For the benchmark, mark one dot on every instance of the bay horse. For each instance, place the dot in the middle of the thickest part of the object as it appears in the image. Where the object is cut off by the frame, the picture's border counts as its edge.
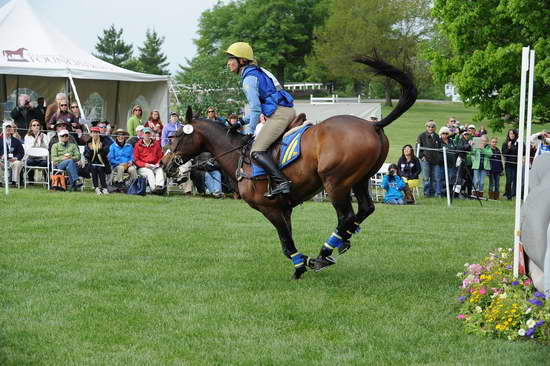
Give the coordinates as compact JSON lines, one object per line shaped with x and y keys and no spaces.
{"x":339,"y":155}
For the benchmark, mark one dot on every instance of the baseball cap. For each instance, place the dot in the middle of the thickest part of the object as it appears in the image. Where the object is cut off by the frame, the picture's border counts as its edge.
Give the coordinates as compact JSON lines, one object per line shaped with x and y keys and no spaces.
{"x":472,"y":126}
{"x":139,"y":128}
{"x":95,"y":129}
{"x":146,"y":130}
{"x":174,"y":114}
{"x":444,"y":129}
{"x":63,"y":133}
{"x":9,"y":124}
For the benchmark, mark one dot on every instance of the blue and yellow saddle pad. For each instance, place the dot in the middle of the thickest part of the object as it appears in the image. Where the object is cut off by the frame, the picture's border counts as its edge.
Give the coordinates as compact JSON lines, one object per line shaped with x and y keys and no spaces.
{"x":290,"y":150}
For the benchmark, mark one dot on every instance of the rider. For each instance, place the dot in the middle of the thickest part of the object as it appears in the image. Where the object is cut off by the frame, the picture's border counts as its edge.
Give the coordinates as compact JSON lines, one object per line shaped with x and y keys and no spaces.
{"x":265,"y":95}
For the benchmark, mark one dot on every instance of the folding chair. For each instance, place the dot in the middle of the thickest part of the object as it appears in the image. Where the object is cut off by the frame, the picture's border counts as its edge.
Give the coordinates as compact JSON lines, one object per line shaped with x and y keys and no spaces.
{"x":376,"y":182}
{"x":40,"y":152}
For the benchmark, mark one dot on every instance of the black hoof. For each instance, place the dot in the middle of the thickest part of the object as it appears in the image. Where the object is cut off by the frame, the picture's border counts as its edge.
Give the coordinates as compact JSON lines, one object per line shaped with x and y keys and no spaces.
{"x":344,"y":247}
{"x":310,"y":262}
{"x":298,"y":272}
{"x":323,"y":262}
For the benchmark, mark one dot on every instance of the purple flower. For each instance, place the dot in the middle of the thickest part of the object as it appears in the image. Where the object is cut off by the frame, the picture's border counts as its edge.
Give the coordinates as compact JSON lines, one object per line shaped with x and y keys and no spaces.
{"x":535,"y":301}
{"x":462,"y":298}
{"x":540,"y":294}
{"x":539,"y":323}
{"x":509,"y":267}
{"x":515,"y":283}
{"x":530,"y":332}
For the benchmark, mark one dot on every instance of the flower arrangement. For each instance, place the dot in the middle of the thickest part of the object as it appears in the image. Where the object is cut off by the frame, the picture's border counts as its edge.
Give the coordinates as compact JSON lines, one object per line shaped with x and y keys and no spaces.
{"x":494,"y":303}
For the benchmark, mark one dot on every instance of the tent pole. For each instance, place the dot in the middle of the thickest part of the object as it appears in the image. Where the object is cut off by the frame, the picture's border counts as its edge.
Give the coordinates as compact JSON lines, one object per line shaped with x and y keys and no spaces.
{"x":6,"y":185}
{"x":116,"y":102}
{"x":17,"y":91}
{"x":76,"y":97}
{"x":4,"y":96}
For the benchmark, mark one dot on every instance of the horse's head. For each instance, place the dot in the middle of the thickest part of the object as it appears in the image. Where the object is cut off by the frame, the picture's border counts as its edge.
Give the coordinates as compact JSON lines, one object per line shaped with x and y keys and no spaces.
{"x":187,"y":143}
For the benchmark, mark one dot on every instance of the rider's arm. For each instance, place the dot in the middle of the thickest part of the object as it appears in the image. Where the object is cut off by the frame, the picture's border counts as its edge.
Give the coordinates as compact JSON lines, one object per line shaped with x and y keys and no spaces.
{"x":250,"y":88}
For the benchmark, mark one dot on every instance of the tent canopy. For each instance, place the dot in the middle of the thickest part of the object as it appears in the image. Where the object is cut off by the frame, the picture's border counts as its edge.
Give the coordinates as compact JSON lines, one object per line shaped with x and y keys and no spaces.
{"x":27,"y":58}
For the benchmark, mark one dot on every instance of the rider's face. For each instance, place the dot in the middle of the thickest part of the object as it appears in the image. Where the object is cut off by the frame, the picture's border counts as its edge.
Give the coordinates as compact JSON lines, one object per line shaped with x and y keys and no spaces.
{"x":233,"y":65}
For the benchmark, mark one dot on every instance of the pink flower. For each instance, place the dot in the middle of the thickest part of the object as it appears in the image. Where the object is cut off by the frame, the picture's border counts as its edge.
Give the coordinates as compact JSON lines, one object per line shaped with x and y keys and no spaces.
{"x":475,"y":268}
{"x":527,"y":282}
{"x":482,"y":291}
{"x":460,"y":316}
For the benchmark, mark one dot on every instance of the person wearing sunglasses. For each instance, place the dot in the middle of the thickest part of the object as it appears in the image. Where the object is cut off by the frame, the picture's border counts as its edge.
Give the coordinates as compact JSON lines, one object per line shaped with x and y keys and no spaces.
{"x":62,"y":114}
{"x":135,"y":120}
{"x":35,"y":138}
{"x":80,"y":125}
{"x":449,"y":143}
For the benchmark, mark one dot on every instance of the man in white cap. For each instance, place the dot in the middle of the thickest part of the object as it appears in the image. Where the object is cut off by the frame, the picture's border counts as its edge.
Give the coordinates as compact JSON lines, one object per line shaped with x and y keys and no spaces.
{"x":65,"y":156}
{"x":15,"y":153}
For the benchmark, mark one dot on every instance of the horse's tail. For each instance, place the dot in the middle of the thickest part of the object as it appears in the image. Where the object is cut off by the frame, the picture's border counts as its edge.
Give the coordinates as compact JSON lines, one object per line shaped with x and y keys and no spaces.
{"x":408,"y":89}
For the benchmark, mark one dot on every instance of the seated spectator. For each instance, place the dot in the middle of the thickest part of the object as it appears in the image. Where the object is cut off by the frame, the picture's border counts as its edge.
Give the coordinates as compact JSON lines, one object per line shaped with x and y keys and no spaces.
{"x":172,"y":126}
{"x":394,"y":186}
{"x":147,"y":155}
{"x":139,"y":134}
{"x":210,"y":170}
{"x":135,"y":120}
{"x":23,"y":114}
{"x":54,"y":138}
{"x":481,"y":164}
{"x":121,"y":155}
{"x":36,"y":138}
{"x":155,"y":124}
{"x":15,"y":152}
{"x":105,"y":133}
{"x":409,"y":169}
{"x":65,"y":156}
{"x":95,"y":153}
{"x":234,"y":124}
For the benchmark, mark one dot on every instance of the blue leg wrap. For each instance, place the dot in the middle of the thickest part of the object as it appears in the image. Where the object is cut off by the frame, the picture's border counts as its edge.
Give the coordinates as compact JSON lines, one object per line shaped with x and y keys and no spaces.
{"x":297,"y":259}
{"x":334,"y":241}
{"x":354,"y":228}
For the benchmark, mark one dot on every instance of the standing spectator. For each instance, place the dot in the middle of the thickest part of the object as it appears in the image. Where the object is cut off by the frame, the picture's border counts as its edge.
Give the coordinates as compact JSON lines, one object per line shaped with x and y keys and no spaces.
{"x":452,"y":125}
{"x":135,"y":120}
{"x":472,"y":131}
{"x":96,"y":155}
{"x":211,"y":114}
{"x":464,"y":163}
{"x":65,"y":156}
{"x":121,"y":155}
{"x":172,"y":126}
{"x":394,"y":186}
{"x":36,"y":138}
{"x":496,"y":171}
{"x":430,"y":160}
{"x":446,"y":141}
{"x":147,"y":155}
{"x":139,"y":135}
{"x":482,"y":130}
{"x":62,"y":114}
{"x":510,"y":153}
{"x":481,"y":164}
{"x":23,"y":114}
{"x":541,"y":142}
{"x":52,"y":108}
{"x":155,"y":124}
{"x":15,"y":151}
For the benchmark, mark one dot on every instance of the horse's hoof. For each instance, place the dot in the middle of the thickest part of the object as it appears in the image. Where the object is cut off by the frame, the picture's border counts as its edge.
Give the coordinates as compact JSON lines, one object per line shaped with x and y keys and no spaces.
{"x":323,"y":262}
{"x":344,"y":247}
{"x":310,"y":262}
{"x":298,"y":272}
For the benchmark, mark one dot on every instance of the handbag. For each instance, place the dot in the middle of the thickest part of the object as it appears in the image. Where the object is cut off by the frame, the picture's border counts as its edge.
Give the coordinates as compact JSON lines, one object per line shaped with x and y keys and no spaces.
{"x":58,"y":182}
{"x":138,"y":186}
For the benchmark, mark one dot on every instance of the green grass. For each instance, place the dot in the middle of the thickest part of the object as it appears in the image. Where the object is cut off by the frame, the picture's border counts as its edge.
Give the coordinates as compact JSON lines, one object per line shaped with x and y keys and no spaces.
{"x":124,"y":280}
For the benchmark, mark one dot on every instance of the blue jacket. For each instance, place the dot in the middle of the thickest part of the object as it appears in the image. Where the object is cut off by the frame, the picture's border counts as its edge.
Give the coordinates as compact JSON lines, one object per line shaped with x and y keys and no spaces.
{"x":260,"y":89}
{"x":394,"y":189}
{"x":16,"y":148}
{"x":119,"y":155}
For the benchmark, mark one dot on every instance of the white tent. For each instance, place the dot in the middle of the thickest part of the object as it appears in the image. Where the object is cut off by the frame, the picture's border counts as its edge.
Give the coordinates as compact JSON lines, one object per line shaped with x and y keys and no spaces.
{"x":35,"y":55}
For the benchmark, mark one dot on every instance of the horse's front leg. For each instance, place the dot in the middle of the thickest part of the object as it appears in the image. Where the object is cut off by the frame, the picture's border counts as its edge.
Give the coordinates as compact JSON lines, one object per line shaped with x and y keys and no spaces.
{"x":281,"y":219}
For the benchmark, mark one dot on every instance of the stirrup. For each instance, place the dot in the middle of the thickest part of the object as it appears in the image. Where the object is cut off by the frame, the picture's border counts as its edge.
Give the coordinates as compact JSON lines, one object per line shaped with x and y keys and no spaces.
{"x":282,"y":188}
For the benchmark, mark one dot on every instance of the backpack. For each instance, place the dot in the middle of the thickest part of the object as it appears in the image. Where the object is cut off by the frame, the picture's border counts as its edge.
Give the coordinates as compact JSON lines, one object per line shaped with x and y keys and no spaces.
{"x":58,"y":182}
{"x":138,"y":186}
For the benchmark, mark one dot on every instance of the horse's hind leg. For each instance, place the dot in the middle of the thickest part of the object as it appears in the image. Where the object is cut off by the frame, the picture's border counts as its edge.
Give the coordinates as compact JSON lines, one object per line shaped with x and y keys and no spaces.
{"x":281,"y":219}
{"x":339,"y":239}
{"x":364,"y":202}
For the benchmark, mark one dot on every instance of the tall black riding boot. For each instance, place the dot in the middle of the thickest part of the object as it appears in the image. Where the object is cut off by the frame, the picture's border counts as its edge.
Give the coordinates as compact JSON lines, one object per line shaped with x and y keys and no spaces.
{"x":263,"y":159}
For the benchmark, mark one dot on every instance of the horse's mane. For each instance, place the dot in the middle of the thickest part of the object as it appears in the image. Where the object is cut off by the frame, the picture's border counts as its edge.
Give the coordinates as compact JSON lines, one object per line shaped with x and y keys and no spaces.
{"x":219,"y":127}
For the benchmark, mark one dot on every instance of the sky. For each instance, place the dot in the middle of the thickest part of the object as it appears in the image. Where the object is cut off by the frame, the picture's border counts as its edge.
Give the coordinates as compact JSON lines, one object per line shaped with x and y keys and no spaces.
{"x":82,"y":21}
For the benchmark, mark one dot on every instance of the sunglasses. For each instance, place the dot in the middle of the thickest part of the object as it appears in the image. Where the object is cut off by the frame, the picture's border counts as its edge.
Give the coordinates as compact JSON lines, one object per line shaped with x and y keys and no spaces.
{"x":211,"y":111}
{"x":139,"y":110}
{"x":35,"y":125}
{"x":74,"y":106}
{"x":444,"y":133}
{"x":63,"y":105}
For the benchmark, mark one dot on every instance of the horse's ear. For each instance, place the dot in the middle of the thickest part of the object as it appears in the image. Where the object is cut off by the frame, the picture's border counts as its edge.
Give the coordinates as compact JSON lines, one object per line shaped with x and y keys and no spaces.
{"x":189,"y":114}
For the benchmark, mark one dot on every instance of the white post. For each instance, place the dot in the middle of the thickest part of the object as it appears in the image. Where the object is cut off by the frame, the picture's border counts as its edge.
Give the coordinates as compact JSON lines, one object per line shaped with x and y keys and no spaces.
{"x":529,"y":120}
{"x":76,"y":96}
{"x":446,"y":176}
{"x":311,"y":99}
{"x":523,"y":87}
{"x":359,"y":98}
{"x":417,"y":150}
{"x":5,"y":143}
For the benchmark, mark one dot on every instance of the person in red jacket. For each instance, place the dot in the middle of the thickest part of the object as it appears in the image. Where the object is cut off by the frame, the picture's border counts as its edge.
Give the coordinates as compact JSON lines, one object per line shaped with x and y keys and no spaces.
{"x":147,"y":155}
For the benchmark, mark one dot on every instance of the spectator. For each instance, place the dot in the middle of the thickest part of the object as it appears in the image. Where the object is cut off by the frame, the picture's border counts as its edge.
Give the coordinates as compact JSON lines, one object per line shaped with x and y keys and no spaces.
{"x":234,"y":124}
{"x":172,"y":126}
{"x":80,"y":125}
{"x":409,"y":169}
{"x":481,"y":164}
{"x":135,"y":120}
{"x":121,"y":155}
{"x":211,"y":114}
{"x":52,"y":108}
{"x":446,"y":141}
{"x":541,"y":141}
{"x":65,"y":156}
{"x":15,"y":151}
{"x":60,"y":126}
{"x":23,"y":114}
{"x":209,"y":168}
{"x":452,"y":125}
{"x":104,"y":132}
{"x":36,"y":138}
{"x":147,"y":155}
{"x":394,"y":186}
{"x":464,"y":175}
{"x":184,"y":181}
{"x":155,"y":124}
{"x":510,"y":153}
{"x":63,"y":114}
{"x":139,"y":134}
{"x":482,"y":130}
{"x":496,"y":171}
{"x":472,"y":131}
{"x":40,"y":110}
{"x":430,"y":160}
{"x":96,"y":154}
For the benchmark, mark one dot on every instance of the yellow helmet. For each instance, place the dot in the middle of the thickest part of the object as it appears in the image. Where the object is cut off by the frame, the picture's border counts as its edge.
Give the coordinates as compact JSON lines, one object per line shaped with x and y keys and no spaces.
{"x":241,"y":50}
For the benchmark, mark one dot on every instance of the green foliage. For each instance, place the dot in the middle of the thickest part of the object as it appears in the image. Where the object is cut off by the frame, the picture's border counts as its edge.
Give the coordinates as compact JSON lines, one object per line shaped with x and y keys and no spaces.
{"x":111,"y":47}
{"x":151,"y":59}
{"x":482,"y":53}
{"x":206,"y":82}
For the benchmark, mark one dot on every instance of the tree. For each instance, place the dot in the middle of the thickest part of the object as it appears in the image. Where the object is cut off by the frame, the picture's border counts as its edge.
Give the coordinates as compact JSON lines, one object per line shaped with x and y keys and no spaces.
{"x":481,"y":54}
{"x":395,"y":28}
{"x":151,"y":59}
{"x":111,"y":47}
